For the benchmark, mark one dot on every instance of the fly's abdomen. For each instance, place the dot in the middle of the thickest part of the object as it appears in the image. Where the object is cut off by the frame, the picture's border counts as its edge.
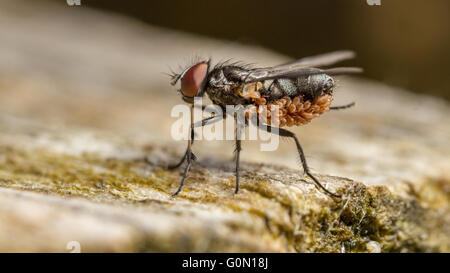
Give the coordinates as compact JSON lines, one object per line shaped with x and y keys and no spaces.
{"x":295,"y":106}
{"x":223,"y":88}
{"x":310,"y":87}
{"x":276,"y":89}
{"x":294,"y":111}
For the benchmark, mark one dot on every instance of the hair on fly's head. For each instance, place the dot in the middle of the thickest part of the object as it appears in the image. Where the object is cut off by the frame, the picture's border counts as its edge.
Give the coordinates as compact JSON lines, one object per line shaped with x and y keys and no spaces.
{"x":178,"y":74}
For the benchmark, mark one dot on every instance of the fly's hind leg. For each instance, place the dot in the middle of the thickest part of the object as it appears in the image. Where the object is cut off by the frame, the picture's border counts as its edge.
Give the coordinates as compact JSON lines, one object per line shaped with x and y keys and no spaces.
{"x":286,"y":133}
{"x":340,"y":107}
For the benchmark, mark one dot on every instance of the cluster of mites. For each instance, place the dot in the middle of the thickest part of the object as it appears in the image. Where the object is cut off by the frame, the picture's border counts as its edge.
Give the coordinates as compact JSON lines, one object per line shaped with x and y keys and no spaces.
{"x":291,"y":111}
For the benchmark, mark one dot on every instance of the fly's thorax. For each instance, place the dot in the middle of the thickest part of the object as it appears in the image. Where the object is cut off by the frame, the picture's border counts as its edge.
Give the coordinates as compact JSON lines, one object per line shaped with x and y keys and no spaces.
{"x":224,"y":87}
{"x":226,"y":95}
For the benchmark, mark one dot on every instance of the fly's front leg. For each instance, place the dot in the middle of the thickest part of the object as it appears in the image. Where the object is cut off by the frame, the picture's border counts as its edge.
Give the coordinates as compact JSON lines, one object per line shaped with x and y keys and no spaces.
{"x":189,"y":155}
{"x":206,"y":121}
{"x":175,"y":166}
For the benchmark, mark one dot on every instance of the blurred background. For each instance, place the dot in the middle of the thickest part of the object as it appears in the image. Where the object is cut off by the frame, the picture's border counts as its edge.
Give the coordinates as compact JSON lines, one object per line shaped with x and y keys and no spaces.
{"x":101,"y":64}
{"x":402,"y":43}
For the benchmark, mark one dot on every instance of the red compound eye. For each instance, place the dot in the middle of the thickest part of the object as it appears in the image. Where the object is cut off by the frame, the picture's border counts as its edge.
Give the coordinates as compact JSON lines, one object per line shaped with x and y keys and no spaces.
{"x":193,"y":78}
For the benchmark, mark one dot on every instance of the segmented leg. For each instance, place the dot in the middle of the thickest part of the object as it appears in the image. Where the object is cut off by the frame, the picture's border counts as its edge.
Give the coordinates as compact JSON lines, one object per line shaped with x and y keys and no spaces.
{"x":340,"y":107}
{"x":189,"y":162}
{"x":204,"y":122}
{"x":189,"y":156}
{"x":240,"y":123}
{"x":175,"y":166}
{"x":238,"y":151}
{"x":286,"y":133}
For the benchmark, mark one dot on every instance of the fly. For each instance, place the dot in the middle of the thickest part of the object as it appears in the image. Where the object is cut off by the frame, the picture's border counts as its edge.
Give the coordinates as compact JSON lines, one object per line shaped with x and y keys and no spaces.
{"x":300,"y":89}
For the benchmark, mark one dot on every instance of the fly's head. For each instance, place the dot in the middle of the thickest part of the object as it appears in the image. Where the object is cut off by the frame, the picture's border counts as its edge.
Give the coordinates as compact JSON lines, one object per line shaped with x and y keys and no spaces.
{"x":193,"y":81}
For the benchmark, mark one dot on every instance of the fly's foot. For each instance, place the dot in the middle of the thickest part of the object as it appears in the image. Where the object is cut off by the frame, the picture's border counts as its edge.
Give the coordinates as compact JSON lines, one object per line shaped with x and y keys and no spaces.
{"x":176,"y":166}
{"x":316,"y":181}
{"x":189,"y":157}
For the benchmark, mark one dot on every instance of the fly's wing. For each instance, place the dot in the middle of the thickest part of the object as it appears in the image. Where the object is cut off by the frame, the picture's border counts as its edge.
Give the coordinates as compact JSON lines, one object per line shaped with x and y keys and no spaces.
{"x":262,"y":74}
{"x":342,"y":71}
{"x":304,"y":67}
{"x":319,"y":60}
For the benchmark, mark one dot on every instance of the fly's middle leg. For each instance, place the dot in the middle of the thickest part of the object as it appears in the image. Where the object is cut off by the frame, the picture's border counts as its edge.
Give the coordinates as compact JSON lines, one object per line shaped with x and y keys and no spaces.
{"x":240,"y":124}
{"x":237,"y":153}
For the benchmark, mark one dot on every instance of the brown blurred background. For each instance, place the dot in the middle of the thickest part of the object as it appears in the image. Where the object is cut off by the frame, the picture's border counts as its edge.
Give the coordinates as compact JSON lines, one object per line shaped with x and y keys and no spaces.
{"x":403,"y":43}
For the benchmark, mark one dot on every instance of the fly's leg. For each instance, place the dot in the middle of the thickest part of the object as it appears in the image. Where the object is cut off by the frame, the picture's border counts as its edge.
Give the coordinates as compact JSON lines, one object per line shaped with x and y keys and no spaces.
{"x":237,"y":151}
{"x":286,"y":133}
{"x":175,"y":166}
{"x":204,"y":122}
{"x":340,"y":107}
{"x":240,"y":123}
{"x":189,"y":156}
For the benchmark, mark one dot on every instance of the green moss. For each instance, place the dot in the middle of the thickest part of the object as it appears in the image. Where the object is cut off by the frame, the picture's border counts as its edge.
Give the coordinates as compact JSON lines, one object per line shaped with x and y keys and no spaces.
{"x":86,"y":176}
{"x":307,"y":225}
